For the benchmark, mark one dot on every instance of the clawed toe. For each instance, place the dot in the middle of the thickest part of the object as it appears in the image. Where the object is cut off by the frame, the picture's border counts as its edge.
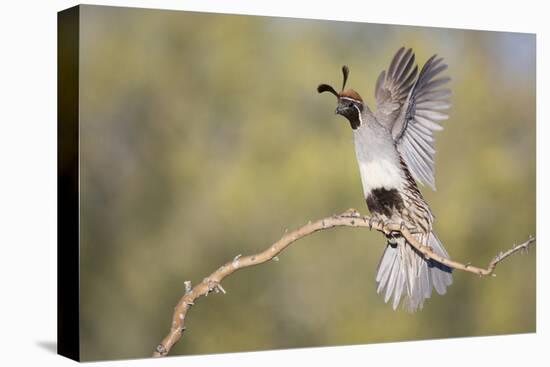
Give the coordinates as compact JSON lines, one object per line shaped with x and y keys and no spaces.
{"x":371,"y":220}
{"x":379,"y":222}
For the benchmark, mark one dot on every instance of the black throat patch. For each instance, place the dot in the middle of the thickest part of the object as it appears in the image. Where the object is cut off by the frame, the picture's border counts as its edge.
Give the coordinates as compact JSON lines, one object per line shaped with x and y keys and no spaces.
{"x":383,"y":201}
{"x":352,"y":114}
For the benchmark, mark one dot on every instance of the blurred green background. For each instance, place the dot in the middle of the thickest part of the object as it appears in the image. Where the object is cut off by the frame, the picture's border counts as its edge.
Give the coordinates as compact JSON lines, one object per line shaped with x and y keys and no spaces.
{"x":203,"y":137}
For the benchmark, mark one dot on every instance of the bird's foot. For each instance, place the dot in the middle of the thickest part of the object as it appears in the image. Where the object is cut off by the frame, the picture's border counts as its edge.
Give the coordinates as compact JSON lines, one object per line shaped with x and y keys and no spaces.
{"x":396,"y":233}
{"x":375,"y":221}
{"x":380,"y":224}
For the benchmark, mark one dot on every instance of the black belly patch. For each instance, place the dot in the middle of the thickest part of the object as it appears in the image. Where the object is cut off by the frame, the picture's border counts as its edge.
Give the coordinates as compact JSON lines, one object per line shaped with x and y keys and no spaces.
{"x":383,"y":201}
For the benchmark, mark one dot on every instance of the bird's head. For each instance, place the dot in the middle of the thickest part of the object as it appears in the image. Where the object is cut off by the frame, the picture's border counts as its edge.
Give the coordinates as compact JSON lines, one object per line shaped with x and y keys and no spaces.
{"x":350,"y":103}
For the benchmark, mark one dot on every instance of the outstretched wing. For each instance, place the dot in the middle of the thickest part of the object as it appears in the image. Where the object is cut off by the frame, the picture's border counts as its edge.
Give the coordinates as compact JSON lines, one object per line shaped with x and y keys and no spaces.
{"x":411,"y":109}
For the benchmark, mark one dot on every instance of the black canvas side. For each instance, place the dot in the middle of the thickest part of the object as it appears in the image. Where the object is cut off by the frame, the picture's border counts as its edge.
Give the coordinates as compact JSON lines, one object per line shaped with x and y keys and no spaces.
{"x":68,"y":330}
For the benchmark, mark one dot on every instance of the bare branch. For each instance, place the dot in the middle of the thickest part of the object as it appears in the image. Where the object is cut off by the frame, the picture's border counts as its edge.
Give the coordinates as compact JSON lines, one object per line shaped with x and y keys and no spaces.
{"x":350,"y":218}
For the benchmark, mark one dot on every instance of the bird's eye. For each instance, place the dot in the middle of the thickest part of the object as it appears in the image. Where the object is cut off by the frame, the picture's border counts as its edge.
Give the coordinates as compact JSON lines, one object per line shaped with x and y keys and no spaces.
{"x":350,"y":105}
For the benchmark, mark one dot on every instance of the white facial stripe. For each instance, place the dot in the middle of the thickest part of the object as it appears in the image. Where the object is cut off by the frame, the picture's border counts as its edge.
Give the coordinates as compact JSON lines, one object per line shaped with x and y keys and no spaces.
{"x":356,"y":107}
{"x":350,"y":99}
{"x":359,"y":114}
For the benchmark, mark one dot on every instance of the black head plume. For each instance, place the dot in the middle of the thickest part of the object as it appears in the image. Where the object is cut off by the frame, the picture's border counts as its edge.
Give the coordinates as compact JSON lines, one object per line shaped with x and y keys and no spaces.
{"x":345,"y":73}
{"x":327,"y":88}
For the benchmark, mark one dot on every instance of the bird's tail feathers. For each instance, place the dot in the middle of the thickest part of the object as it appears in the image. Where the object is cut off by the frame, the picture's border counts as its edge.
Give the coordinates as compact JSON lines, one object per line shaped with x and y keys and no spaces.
{"x":403,"y":271}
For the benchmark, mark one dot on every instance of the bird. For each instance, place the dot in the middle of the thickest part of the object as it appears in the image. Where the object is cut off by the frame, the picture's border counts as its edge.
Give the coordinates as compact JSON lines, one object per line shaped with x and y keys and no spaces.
{"x":394,"y":148}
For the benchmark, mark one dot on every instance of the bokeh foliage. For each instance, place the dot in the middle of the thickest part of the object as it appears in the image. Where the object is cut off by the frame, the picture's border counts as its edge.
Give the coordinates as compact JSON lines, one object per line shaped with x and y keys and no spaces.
{"x":203,"y":137}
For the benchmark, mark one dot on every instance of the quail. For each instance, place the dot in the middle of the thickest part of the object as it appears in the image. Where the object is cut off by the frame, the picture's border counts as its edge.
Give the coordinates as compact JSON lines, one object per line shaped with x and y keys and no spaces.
{"x":394,"y":147}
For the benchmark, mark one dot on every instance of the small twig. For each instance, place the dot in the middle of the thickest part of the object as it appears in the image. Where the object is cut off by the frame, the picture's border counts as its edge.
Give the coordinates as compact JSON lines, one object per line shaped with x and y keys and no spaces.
{"x":350,"y":218}
{"x":188,"y":286}
{"x":455,"y":264}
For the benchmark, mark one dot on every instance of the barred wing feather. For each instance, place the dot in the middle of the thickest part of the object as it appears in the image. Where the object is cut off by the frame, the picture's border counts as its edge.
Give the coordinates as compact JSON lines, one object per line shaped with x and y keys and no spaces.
{"x":412,"y":110}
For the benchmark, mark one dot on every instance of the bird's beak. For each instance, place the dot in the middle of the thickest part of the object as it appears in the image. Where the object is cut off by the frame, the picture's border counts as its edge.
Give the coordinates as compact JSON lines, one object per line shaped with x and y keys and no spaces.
{"x":338,"y":110}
